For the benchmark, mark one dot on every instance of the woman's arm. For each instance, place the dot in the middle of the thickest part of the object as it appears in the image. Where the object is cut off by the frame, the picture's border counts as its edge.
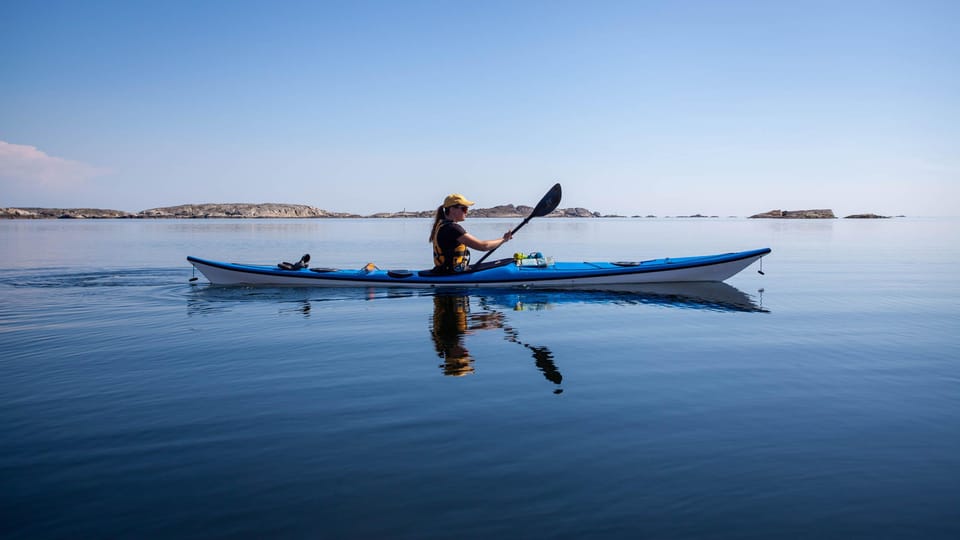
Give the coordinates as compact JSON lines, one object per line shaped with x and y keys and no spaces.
{"x":473,"y":242}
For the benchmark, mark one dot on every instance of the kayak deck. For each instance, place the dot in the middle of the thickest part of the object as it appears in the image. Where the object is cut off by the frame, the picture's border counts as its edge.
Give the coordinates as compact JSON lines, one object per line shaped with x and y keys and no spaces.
{"x":501,"y":273}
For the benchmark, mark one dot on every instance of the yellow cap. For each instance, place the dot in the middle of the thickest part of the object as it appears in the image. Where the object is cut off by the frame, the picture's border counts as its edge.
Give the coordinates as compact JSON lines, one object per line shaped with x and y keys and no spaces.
{"x":455,"y":199}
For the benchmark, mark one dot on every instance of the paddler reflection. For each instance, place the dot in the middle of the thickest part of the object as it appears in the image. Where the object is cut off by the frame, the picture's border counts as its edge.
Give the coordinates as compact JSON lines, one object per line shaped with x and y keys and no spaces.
{"x":452,"y":321}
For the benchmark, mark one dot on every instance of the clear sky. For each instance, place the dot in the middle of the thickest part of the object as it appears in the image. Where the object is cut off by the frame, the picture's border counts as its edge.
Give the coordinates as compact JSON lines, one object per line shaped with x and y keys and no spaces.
{"x":636,"y":107}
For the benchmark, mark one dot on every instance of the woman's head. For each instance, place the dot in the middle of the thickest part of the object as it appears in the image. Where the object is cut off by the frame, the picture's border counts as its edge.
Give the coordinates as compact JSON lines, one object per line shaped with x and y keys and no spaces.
{"x":454,"y":208}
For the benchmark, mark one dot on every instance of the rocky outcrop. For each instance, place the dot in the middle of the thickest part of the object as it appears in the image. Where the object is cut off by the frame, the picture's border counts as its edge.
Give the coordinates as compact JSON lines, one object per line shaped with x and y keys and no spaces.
{"x":403,"y":214}
{"x":572,"y":212}
{"x":795,"y":214}
{"x":240,"y":210}
{"x":62,"y":213}
{"x":866,"y":216}
{"x":279,"y":210}
{"x":18,"y":213}
{"x":266,"y":210}
{"x":501,"y":211}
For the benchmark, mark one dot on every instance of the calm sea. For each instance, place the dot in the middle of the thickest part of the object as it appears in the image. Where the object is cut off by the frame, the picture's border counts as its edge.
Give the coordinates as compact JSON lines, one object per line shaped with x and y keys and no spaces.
{"x":820,"y":400}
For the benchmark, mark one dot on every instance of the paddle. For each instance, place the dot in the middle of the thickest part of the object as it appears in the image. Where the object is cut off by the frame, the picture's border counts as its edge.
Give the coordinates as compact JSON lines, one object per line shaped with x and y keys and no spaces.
{"x":546,"y":205}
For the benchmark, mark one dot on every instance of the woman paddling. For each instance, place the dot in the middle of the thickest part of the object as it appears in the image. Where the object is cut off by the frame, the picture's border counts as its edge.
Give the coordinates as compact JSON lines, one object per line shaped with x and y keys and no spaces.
{"x":450,"y":240}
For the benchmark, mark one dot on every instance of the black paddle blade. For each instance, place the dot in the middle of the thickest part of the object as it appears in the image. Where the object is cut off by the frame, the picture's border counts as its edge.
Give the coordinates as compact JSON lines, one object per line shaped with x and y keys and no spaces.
{"x":546,"y":205}
{"x":549,"y":202}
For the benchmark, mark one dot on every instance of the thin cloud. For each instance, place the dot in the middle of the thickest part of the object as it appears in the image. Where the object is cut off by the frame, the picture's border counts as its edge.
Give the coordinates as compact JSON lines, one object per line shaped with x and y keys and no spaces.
{"x":27,"y":166}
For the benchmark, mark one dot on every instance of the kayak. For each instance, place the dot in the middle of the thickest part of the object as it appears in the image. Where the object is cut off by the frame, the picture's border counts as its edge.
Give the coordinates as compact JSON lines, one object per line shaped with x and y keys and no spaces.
{"x":525,"y":273}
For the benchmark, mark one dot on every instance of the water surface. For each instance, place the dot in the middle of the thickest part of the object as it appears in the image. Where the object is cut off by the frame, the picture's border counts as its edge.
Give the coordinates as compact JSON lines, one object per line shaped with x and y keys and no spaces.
{"x":821,"y":399}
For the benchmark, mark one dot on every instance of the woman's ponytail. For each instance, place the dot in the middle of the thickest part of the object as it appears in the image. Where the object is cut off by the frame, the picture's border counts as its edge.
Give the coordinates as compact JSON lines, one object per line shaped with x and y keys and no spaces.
{"x":440,"y":216}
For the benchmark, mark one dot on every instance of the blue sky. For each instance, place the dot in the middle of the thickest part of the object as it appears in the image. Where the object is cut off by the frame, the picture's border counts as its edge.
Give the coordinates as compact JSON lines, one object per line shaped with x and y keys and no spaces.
{"x":641,"y":107}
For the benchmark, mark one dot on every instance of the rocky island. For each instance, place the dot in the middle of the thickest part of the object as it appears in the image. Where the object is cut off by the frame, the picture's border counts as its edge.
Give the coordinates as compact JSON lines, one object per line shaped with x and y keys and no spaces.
{"x":811,"y":214}
{"x":240,"y":210}
{"x":795,"y":214}
{"x":866,"y":216}
{"x":263,"y":210}
{"x":281,"y":210}
{"x":62,"y":213}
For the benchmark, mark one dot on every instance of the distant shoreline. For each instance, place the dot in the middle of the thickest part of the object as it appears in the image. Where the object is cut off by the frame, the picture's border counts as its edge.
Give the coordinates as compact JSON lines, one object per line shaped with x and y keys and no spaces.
{"x":292,"y":211}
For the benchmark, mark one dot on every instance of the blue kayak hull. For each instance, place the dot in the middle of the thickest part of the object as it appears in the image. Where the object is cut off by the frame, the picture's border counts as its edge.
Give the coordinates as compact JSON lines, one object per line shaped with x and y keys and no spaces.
{"x":503,"y":273}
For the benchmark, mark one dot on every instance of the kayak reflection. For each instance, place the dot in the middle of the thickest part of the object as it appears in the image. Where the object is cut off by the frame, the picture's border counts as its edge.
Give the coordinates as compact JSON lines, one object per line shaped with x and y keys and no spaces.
{"x":453,"y":320}
{"x":710,"y":296}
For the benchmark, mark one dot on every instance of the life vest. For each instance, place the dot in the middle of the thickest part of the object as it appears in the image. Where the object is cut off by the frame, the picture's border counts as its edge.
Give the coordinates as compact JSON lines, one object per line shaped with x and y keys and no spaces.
{"x":451,"y":260}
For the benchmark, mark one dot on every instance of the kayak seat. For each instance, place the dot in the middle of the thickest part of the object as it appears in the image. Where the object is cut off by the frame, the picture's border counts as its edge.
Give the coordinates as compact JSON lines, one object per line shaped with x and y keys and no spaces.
{"x":399,"y":274}
{"x":322,"y":270}
{"x":626,"y":263}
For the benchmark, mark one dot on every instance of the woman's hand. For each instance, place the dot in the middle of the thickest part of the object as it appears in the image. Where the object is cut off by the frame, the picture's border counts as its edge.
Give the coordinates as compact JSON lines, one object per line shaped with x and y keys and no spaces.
{"x":484,"y":245}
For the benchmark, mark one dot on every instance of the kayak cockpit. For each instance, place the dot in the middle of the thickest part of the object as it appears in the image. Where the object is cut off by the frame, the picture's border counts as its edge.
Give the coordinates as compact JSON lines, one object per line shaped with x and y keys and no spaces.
{"x":472,"y":269}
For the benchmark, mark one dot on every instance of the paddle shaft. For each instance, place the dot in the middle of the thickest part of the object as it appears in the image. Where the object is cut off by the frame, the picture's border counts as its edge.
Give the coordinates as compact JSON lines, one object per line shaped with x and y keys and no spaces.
{"x":547,"y":204}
